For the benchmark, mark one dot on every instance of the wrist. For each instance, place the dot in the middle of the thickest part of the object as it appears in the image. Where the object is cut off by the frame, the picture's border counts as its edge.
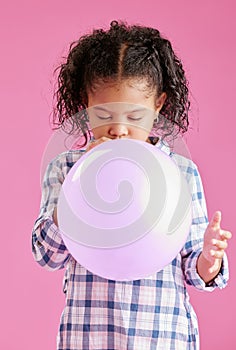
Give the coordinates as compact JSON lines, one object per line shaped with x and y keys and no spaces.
{"x":208,"y":269}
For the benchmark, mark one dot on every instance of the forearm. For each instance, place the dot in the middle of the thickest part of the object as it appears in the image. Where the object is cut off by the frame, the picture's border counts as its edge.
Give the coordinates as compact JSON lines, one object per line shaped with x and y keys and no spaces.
{"x":204,"y":268}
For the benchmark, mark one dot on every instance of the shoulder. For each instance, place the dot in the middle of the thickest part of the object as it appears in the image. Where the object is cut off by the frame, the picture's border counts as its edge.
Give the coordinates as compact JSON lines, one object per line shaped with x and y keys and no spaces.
{"x":186,"y":165}
{"x":63,"y":162}
{"x":191,"y":173}
{"x":183,"y":162}
{"x":68,"y":158}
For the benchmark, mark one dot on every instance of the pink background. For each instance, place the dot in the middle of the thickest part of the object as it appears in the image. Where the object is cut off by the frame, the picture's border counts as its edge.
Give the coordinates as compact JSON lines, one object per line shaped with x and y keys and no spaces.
{"x":34,"y":36}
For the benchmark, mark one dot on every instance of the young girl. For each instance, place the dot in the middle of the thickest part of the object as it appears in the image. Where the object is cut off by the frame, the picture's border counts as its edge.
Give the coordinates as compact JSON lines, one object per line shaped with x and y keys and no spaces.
{"x":128,"y":66}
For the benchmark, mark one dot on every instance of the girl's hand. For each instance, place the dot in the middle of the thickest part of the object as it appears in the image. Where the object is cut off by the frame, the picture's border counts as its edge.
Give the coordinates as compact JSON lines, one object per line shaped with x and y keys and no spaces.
{"x":97,"y":142}
{"x":215,"y":243}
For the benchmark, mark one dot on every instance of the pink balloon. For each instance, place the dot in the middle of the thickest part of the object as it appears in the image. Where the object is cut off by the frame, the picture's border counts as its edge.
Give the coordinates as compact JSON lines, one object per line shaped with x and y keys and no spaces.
{"x":124,"y":210}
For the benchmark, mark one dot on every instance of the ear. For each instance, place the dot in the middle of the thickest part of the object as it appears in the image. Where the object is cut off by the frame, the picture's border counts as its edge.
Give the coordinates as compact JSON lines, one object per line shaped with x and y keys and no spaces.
{"x":160,"y":102}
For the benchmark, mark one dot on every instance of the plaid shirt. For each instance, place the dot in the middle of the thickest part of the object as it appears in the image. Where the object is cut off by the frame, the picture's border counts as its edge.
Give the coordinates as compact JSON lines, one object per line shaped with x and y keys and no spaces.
{"x":147,"y":314}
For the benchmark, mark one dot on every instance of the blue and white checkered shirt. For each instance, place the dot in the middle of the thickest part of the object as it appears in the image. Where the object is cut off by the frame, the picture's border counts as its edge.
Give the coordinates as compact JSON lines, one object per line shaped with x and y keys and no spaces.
{"x":147,"y":314}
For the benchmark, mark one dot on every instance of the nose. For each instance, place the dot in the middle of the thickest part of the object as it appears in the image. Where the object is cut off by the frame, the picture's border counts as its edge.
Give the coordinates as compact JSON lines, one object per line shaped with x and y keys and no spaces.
{"x":118,"y":130}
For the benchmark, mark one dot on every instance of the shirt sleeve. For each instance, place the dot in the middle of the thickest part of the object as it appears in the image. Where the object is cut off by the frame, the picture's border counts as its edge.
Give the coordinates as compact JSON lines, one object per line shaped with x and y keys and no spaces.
{"x":194,"y":244}
{"x":48,"y":247}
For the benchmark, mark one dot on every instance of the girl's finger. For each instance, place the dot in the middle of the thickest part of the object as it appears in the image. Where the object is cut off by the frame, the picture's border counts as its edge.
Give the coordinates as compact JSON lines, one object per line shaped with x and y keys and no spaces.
{"x":225,"y":234}
{"x":220,"y":244}
{"x":215,"y":221}
{"x":217,"y":254}
{"x":97,"y":142}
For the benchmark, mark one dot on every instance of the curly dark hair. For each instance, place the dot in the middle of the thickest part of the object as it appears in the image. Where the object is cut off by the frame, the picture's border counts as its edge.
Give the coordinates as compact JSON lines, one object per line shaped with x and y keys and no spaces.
{"x":123,"y":51}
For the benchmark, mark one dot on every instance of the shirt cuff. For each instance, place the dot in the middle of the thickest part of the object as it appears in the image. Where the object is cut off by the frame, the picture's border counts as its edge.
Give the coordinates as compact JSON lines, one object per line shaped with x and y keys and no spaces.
{"x":220,"y":281}
{"x":48,"y":235}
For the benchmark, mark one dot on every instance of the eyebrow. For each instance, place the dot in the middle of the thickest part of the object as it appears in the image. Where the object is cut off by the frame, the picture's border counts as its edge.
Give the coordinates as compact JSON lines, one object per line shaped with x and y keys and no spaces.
{"x":141,"y":109}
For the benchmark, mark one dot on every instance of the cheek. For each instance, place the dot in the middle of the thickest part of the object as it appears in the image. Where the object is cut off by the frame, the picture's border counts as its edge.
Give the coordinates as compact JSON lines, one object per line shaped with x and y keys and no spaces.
{"x":139,"y":134}
{"x":144,"y":130}
{"x":99,"y":132}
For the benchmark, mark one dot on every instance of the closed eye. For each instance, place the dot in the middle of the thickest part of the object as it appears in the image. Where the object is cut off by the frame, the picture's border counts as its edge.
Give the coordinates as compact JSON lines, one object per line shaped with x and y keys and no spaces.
{"x":103,"y":118}
{"x":135,"y":119}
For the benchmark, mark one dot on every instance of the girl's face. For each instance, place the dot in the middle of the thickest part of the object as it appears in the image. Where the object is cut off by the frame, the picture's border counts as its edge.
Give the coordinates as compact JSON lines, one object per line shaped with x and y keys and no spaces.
{"x":123,"y":110}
